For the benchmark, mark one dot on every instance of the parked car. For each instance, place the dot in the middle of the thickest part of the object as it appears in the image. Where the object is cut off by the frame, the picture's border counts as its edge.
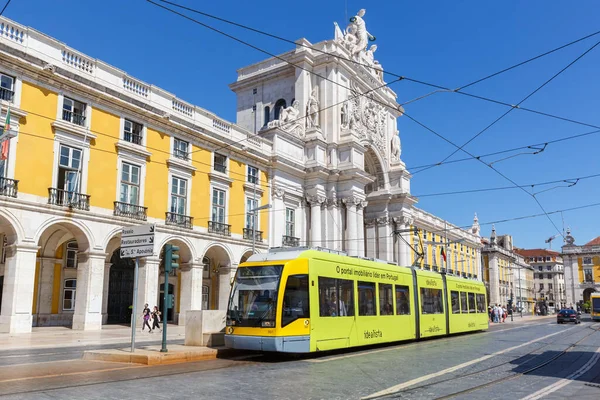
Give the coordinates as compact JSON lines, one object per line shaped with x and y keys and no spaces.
{"x":567,"y":315}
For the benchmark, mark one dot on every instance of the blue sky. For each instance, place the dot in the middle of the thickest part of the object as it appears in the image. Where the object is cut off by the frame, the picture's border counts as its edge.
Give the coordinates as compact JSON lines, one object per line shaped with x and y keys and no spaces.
{"x":447,"y":43}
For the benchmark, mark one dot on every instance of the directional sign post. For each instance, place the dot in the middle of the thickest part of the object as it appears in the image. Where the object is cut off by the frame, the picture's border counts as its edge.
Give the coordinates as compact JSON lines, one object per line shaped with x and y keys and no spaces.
{"x":136,"y":242}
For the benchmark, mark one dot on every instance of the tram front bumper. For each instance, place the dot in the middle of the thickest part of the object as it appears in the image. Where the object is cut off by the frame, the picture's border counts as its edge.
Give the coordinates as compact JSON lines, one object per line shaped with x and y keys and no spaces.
{"x":285,"y":344}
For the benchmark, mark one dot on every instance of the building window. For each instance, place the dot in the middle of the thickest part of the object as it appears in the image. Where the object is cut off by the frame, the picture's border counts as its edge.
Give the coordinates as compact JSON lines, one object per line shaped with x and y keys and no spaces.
{"x":550,"y":286}
{"x":540,"y":268}
{"x":130,"y":184}
{"x":549,"y":268}
{"x":178,"y":196}
{"x":267,"y":115}
{"x":541,"y":286}
{"x":252,"y":174}
{"x":251,"y":204}
{"x":218,"y":206}
{"x":278,"y":106}
{"x":587,"y":260}
{"x":7,"y":87}
{"x":73,"y":111}
{"x":71,"y":258}
{"x":69,"y":294}
{"x":132,"y":132}
{"x":68,"y":169}
{"x":220,"y":163}
{"x":290,"y":218}
{"x":181,"y":149}
{"x":588,"y":275}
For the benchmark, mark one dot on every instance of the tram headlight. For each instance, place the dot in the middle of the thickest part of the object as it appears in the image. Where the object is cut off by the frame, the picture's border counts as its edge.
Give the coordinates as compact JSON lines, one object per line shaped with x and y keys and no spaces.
{"x":229,"y":330}
{"x":267,"y":324}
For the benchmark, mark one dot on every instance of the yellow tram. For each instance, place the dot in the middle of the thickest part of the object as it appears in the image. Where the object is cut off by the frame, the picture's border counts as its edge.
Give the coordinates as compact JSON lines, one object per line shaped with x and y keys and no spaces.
{"x":306,"y":300}
{"x":595,"y":306}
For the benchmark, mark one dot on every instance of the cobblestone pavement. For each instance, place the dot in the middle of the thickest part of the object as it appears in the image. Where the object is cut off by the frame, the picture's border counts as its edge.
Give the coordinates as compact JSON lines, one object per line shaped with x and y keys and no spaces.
{"x":539,"y":359}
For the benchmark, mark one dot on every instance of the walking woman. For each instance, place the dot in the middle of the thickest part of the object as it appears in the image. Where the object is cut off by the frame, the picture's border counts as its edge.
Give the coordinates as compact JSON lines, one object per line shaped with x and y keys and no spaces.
{"x":146,"y":320}
{"x":155,"y":318}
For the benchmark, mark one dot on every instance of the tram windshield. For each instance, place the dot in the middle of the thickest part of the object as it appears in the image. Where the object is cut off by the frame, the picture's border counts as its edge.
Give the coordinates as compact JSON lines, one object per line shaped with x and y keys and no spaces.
{"x":596,"y":304}
{"x":253,"y":301}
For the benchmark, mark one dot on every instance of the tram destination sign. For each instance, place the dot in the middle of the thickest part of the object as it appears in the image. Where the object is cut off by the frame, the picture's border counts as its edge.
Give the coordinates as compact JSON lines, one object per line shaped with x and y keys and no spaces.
{"x":137,"y":241}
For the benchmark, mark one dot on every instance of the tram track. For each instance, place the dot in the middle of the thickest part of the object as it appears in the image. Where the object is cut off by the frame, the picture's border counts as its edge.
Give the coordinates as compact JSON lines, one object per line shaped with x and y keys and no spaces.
{"x":488,"y":369}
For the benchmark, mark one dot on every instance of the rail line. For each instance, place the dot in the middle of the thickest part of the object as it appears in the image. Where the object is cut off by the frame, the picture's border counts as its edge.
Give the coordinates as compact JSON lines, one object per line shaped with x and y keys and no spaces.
{"x":454,"y":377}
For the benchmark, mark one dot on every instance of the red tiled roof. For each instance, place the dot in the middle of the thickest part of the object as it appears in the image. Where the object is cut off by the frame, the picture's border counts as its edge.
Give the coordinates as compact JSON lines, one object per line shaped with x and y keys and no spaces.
{"x":595,"y":242}
{"x":537,"y":252}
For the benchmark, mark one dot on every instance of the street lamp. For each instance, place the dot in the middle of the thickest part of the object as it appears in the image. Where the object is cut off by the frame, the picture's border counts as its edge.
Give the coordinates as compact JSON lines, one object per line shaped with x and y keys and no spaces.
{"x":253,"y":211}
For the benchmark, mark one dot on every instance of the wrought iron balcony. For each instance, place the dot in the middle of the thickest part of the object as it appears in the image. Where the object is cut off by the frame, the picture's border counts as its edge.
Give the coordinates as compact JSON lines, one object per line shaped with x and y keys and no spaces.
{"x":220,"y":168}
{"x":6,"y":94}
{"x":248,"y":234}
{"x":75,"y":118}
{"x":219,"y":228}
{"x":181,"y":154}
{"x":8,"y":187}
{"x":130,"y":211}
{"x":132,"y":138}
{"x":290,"y":241}
{"x":60,"y":197}
{"x":183,"y":221}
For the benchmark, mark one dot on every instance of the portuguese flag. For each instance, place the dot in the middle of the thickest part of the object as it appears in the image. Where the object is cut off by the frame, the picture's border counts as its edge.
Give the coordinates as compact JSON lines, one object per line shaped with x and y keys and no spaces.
{"x":443,"y":253}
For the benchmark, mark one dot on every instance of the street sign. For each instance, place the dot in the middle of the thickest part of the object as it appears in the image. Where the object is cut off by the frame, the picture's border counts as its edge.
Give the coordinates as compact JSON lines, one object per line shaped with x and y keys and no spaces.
{"x":137,"y":241}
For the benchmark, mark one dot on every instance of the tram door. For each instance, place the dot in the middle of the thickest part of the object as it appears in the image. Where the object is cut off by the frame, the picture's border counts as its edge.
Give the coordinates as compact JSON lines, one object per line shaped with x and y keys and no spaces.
{"x":170,"y":311}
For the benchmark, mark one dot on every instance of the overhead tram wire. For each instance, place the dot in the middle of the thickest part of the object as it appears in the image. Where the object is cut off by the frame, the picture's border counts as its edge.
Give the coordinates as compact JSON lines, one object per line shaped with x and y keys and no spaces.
{"x":279,"y":58}
{"x":5,"y":6}
{"x":399,"y":76}
{"x":515,"y":106}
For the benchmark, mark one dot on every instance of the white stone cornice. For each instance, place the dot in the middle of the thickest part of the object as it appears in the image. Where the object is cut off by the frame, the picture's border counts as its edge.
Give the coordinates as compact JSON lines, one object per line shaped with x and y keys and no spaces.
{"x":221,"y":178}
{"x":73,"y":129}
{"x":125,"y":147}
{"x":250,"y":187}
{"x":182,"y":165}
{"x":13,"y":110}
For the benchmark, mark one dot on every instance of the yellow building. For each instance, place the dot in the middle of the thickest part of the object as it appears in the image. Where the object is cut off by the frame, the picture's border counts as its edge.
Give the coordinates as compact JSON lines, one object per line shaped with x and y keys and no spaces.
{"x":582,"y":269}
{"x":94,"y":150}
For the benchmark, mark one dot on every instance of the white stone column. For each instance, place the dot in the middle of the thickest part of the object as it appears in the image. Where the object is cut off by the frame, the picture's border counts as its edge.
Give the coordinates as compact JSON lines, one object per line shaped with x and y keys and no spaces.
{"x":46,"y":285}
{"x":277,"y":217}
{"x":351,"y":221}
{"x":224,"y":286}
{"x":385,"y":241}
{"x":371,"y":238}
{"x":403,"y":224}
{"x":89,"y":290}
{"x":360,"y":227}
{"x":315,"y":219}
{"x":17,"y":295}
{"x":148,"y":287}
{"x":191,"y":290}
{"x":107,"y":266}
{"x":494,"y":279}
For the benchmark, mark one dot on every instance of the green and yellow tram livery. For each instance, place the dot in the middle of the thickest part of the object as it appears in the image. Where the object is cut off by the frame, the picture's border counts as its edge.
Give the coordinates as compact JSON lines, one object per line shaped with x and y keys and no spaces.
{"x":301,"y":301}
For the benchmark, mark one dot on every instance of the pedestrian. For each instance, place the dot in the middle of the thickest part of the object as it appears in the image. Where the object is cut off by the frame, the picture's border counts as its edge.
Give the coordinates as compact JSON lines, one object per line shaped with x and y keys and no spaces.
{"x":145,"y":311}
{"x":504,"y":314}
{"x":155,"y":318}
{"x":147,"y":320}
{"x":496,"y":313}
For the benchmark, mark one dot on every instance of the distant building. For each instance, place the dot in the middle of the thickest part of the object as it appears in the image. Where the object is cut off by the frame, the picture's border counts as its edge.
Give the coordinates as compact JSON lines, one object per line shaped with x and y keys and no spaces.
{"x":582,"y":269}
{"x":506,"y":273}
{"x":549,"y":277}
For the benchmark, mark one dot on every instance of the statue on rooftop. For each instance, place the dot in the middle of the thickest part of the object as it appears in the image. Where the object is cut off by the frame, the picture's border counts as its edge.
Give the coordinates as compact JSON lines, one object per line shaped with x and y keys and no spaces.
{"x":356,"y":37}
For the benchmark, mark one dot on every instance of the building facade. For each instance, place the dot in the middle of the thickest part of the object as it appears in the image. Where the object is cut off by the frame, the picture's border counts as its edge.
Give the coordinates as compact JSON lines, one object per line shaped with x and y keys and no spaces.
{"x":582,"y":269}
{"x":549,"y":277}
{"x":506,"y":273}
{"x":97,"y":150}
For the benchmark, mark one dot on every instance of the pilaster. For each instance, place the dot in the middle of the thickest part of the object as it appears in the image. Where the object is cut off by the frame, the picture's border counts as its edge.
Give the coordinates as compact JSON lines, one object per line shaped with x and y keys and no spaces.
{"x":191,"y":289}
{"x":90,"y":285}
{"x":277,"y":217}
{"x":360,"y":223}
{"x":17,"y":295}
{"x":315,"y":219}
{"x":352,"y":221}
{"x":385,"y":241}
{"x":46,"y":284}
{"x":107,"y":267}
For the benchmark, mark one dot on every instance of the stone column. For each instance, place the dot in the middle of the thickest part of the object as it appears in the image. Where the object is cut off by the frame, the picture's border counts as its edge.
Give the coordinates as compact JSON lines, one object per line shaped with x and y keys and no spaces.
{"x":371,"y":238}
{"x":360,"y":227}
{"x":46,"y":285}
{"x":277,"y":217}
{"x":403,"y":224}
{"x":88,"y":295}
{"x":224,"y":286}
{"x":334,"y":229}
{"x":351,"y":220}
{"x":148,"y":287}
{"x":494,"y":279}
{"x":385,"y":242}
{"x":17,"y":295}
{"x":315,"y":219}
{"x":191,"y":289}
{"x":107,"y":266}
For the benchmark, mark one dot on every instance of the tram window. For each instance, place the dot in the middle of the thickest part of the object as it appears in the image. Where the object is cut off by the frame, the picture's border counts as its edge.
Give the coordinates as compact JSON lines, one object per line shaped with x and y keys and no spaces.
{"x":402,"y":300}
{"x":295,"y":299}
{"x":471,"y":302}
{"x":336,"y":297}
{"x":366,"y":298}
{"x":385,"y":299}
{"x":480,"y":303}
{"x":431,"y":301}
{"x":455,"y":302}
{"x":464,"y":307}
